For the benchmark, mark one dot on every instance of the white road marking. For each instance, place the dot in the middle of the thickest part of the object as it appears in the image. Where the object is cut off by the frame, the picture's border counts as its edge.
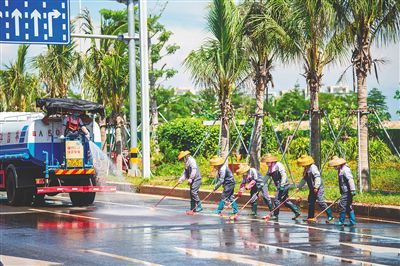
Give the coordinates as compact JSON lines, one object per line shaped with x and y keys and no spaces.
{"x":12,"y":213}
{"x":206,"y":254}
{"x":338,"y":231}
{"x":120,"y":257}
{"x":65,"y":214}
{"x":371,"y":248}
{"x":317,"y":255}
{"x":378,"y":220}
{"x":10,"y":260}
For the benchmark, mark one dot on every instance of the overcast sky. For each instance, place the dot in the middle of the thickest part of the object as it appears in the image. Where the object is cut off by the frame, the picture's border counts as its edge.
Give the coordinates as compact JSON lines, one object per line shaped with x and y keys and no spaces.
{"x":187,"y":20}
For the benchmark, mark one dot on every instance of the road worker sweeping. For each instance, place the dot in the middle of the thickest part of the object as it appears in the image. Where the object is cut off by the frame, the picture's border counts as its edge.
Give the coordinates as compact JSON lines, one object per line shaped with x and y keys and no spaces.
{"x":226,"y":179}
{"x":277,"y":171}
{"x":192,"y":174}
{"x":312,"y":177}
{"x":347,"y":190}
{"x":253,"y":181}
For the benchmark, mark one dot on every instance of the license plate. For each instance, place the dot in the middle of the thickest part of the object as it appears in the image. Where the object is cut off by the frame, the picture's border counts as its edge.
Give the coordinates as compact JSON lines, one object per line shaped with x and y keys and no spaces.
{"x":72,"y":163}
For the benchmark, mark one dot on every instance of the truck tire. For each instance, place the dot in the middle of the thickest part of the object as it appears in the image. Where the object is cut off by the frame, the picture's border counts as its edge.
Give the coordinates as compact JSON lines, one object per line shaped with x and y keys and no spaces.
{"x":17,"y":196}
{"x":83,"y":199}
{"x":39,"y":200}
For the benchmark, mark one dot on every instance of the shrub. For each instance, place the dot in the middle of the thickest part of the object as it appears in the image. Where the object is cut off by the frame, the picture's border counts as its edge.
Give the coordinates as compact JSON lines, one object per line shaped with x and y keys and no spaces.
{"x":186,"y":134}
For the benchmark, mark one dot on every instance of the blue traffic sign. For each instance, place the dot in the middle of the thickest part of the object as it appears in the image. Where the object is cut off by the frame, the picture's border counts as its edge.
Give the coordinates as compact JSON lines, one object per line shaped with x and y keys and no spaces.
{"x":34,"y":21}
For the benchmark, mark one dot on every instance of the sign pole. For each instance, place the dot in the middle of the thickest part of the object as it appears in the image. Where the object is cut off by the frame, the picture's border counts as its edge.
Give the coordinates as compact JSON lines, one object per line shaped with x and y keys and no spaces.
{"x":134,"y":171}
{"x":144,"y":81}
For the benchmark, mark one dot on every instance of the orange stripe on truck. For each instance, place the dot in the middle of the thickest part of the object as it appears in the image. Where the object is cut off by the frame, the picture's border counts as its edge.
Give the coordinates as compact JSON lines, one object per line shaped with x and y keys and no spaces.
{"x":74,"y":172}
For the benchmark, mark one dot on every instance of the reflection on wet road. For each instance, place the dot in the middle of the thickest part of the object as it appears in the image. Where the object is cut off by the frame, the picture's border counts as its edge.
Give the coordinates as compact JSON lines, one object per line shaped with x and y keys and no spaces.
{"x":124,"y":229}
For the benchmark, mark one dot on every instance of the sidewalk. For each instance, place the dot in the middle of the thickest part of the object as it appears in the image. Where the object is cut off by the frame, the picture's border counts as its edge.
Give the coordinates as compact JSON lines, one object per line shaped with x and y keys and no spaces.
{"x":375,"y":211}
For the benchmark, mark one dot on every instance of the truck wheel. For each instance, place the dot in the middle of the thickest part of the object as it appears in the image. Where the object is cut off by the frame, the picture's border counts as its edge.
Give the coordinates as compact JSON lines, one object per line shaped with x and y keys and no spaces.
{"x":39,"y":200}
{"x":15,"y":196}
{"x":82,"y":199}
{"x":28,"y":196}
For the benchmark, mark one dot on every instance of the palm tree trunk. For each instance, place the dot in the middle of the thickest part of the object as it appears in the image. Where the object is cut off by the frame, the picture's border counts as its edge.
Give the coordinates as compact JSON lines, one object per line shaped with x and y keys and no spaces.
{"x":103,"y":133}
{"x":255,"y":149}
{"x":118,"y":142}
{"x":362,"y":107}
{"x":315,"y":138}
{"x":154,"y":123}
{"x":225,"y":106}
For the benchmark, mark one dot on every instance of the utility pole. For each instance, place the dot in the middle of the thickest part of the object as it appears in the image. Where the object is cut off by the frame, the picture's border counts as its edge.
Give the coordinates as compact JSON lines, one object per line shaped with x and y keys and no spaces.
{"x":144,"y":81}
{"x":134,"y":171}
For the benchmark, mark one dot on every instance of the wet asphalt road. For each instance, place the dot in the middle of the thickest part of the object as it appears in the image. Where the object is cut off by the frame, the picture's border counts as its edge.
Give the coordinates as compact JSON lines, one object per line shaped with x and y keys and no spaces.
{"x":123,"y":229}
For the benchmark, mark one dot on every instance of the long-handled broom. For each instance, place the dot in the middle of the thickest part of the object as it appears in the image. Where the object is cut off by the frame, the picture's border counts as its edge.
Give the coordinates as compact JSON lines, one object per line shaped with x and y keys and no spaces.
{"x":314,"y":220}
{"x":277,"y":207}
{"x":168,"y":193}
{"x":234,"y":217}
{"x":191,"y":212}
{"x":227,"y":206}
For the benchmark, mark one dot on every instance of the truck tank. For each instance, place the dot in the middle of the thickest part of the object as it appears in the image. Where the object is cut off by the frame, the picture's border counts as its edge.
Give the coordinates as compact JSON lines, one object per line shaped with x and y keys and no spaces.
{"x":27,"y":135}
{"x":35,"y":159}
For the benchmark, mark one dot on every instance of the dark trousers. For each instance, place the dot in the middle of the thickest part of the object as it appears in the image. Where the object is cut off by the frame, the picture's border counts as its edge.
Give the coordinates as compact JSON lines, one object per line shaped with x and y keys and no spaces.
{"x":227,"y":193}
{"x":346,"y":203}
{"x":312,"y":198}
{"x":194,"y":192}
{"x":264,"y":193}
{"x":281,"y":196}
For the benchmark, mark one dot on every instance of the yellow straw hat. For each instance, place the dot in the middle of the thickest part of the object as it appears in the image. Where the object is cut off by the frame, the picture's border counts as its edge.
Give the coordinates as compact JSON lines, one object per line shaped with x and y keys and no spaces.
{"x":336,"y":161}
{"x":305,"y":160}
{"x":183,"y":154}
{"x":243,"y":168}
{"x":216,"y":161}
{"x":269,"y":158}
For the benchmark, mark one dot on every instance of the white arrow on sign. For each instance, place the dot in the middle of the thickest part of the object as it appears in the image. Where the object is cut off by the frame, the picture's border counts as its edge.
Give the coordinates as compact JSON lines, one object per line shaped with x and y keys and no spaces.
{"x":17,"y":15}
{"x":54,"y":14}
{"x":36,"y":16}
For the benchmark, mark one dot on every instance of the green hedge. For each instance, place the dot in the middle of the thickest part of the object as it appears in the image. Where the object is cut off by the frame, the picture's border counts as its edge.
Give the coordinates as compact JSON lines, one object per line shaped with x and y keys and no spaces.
{"x":187,"y":134}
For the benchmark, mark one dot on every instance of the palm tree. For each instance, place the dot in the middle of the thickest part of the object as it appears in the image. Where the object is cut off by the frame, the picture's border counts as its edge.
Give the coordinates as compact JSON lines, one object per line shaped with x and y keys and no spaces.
{"x":18,"y":89}
{"x":308,"y":34}
{"x":59,"y":67}
{"x":93,"y":83}
{"x":220,"y":63}
{"x":106,"y":72}
{"x":260,"y":45}
{"x":367,"y":22}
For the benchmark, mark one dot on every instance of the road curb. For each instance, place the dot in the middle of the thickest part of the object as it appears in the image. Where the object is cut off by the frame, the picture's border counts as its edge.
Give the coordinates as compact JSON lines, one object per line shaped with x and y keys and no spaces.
{"x":123,"y":186}
{"x":365,"y":210}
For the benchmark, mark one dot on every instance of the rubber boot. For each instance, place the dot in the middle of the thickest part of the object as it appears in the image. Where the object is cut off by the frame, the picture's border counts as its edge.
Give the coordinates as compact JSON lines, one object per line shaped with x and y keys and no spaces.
{"x":342,"y":217}
{"x":270,"y":206}
{"x":199,"y":207}
{"x":192,"y":205}
{"x":220,"y":207}
{"x":352,"y":218}
{"x":254,"y":209}
{"x":235,"y":208}
{"x":275,"y":215}
{"x":296,"y":211}
{"x":330,"y":216}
